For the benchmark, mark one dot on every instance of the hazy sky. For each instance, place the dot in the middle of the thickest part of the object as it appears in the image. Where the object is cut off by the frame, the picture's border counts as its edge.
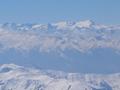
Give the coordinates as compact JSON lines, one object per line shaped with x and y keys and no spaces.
{"x":45,"y":11}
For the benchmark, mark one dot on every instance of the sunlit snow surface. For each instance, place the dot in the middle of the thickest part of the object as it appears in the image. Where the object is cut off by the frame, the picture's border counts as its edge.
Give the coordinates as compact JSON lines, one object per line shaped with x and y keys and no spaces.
{"x":13,"y":77}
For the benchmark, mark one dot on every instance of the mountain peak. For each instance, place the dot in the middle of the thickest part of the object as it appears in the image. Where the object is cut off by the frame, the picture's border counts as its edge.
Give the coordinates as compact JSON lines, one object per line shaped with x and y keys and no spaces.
{"x":84,"y":24}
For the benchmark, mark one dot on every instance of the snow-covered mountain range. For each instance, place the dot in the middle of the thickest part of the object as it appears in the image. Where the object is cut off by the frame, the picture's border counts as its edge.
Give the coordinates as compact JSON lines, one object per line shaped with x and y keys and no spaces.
{"x":13,"y":77}
{"x":64,"y":38}
{"x":80,"y":36}
{"x":67,"y":45}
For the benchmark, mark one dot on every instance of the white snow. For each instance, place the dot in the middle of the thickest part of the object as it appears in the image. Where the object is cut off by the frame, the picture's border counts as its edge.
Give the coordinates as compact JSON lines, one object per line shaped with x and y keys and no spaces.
{"x":81,"y":36}
{"x":20,"y":78}
{"x":84,"y":24}
{"x":40,"y":27}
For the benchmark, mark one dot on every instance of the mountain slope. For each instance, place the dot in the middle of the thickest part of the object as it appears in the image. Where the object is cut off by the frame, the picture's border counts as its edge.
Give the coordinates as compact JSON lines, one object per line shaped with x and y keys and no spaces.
{"x":21,"y":78}
{"x":81,"y":36}
{"x":65,"y":45}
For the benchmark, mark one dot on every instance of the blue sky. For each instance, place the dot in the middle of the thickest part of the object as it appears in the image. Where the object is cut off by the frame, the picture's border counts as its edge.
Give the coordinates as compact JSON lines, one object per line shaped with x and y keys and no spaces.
{"x":45,"y":11}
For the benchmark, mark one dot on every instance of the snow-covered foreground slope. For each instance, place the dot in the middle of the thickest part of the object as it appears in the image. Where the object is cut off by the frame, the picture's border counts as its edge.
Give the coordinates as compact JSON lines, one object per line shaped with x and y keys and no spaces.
{"x":13,"y":77}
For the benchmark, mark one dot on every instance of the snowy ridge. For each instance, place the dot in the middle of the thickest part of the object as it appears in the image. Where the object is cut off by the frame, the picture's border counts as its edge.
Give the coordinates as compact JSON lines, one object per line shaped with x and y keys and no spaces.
{"x":81,"y":36}
{"x":21,"y":78}
{"x":63,"y":25}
